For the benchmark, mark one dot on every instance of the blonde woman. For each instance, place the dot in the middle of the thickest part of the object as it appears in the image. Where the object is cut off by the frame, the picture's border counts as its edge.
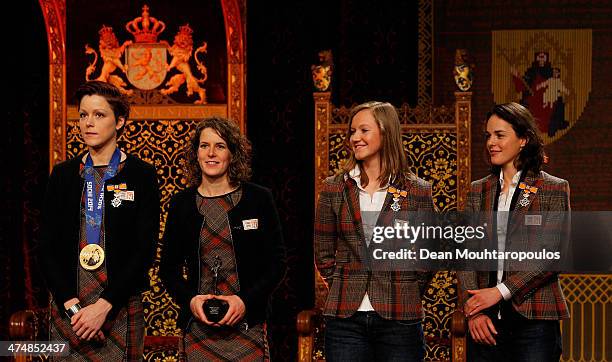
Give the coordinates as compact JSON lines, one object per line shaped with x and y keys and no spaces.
{"x":371,"y":315}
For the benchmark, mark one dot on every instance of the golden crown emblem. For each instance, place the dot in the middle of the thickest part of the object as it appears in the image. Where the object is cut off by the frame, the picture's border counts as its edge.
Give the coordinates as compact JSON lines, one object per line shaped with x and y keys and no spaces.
{"x":145,"y":28}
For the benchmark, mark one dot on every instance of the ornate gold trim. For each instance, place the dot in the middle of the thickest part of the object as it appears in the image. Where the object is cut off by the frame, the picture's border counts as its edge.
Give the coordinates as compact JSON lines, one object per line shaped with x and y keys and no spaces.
{"x":164,"y":112}
{"x":236,"y":75}
{"x":54,"y":12}
{"x":322,"y":108}
{"x":459,"y":350}
{"x":463,"y":121}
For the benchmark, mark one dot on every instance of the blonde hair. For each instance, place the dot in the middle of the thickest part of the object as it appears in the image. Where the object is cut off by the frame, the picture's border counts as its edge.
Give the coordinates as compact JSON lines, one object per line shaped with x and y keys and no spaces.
{"x":393,"y":162}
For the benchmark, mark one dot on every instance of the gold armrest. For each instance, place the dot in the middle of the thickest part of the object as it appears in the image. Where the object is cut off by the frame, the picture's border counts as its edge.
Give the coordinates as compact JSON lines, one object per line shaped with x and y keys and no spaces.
{"x":23,"y":325}
{"x":458,"y":337}
{"x":306,"y":325}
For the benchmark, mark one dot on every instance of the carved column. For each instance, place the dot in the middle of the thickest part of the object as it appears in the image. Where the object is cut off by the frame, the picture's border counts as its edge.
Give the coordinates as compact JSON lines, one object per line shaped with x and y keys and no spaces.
{"x":54,"y":12}
{"x":463,"y":117}
{"x":322,"y":104}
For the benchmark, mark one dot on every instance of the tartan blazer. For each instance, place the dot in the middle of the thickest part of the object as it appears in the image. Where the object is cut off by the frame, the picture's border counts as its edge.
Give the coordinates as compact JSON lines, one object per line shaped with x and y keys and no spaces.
{"x":341,"y":252}
{"x":535,"y":294}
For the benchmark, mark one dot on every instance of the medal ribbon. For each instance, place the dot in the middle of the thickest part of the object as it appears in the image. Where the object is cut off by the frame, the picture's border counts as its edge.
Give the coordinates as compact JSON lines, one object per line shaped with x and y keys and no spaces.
{"x":93,"y":213}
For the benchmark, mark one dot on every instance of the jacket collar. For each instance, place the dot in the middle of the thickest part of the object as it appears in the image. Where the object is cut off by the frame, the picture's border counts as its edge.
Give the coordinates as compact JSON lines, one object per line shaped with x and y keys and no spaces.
{"x":529,"y":185}
{"x":351,"y":197}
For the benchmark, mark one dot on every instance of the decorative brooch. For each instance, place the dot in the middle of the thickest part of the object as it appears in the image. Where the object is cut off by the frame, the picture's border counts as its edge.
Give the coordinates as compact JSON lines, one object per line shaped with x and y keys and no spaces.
{"x":396,"y":197}
{"x":527,"y":191}
{"x":119,"y":192}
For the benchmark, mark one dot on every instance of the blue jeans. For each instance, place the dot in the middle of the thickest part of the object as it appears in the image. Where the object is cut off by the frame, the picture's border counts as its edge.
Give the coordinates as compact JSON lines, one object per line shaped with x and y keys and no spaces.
{"x":366,"y":336}
{"x":519,"y":340}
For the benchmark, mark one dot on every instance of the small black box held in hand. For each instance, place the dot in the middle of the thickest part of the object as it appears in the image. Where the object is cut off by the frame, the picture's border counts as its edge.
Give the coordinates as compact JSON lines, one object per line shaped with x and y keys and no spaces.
{"x":215,"y":309}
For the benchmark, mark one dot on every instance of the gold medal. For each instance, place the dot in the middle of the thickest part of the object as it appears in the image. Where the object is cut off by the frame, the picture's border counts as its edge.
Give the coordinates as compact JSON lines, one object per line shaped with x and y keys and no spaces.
{"x":91,"y":257}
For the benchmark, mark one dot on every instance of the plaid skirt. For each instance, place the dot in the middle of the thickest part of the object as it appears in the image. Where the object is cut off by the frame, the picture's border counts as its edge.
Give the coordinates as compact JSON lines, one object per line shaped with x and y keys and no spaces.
{"x":204,"y":343}
{"x":124,"y":335}
{"x":238,"y":343}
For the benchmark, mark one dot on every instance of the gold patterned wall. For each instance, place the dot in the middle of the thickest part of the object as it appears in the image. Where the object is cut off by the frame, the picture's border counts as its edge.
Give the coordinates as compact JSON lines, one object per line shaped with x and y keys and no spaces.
{"x":436,"y":141}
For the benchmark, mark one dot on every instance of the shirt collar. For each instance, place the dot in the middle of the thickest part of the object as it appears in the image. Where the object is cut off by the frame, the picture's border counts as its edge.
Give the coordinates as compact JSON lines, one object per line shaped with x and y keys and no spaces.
{"x":355,"y":174}
{"x":515,"y":179}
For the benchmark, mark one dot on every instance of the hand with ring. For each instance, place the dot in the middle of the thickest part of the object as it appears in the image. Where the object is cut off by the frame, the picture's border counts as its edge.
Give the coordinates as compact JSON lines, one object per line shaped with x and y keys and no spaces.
{"x":481,"y":299}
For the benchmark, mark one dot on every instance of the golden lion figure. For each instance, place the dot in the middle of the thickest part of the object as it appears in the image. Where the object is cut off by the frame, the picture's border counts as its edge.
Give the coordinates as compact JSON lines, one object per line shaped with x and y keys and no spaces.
{"x":181,"y":52}
{"x":111,"y":53}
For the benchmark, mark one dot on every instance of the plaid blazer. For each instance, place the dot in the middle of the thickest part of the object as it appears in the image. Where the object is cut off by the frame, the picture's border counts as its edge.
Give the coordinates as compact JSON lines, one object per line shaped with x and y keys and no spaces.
{"x":342,"y":255}
{"x":535,"y":294}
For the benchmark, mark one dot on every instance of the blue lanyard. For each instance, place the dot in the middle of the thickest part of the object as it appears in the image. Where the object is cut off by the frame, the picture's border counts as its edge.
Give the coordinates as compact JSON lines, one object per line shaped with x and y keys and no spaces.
{"x":93,"y":213}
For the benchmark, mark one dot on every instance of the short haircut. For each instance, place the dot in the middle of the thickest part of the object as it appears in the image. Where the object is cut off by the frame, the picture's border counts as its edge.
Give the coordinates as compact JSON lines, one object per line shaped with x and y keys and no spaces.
{"x":118,"y":101}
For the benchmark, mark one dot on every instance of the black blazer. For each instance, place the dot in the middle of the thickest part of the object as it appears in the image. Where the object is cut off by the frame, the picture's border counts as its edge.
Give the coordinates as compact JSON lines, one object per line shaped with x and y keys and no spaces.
{"x":260,"y":254}
{"x":131,"y":231}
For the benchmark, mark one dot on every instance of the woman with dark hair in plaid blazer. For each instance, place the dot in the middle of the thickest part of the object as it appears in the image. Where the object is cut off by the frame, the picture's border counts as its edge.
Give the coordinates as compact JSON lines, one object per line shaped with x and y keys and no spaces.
{"x":370,"y":314}
{"x":513,"y":312}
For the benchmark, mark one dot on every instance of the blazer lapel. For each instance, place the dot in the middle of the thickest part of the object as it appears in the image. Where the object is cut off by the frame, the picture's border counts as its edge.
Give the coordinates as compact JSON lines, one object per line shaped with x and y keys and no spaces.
{"x":386,"y":208}
{"x":388,"y":216}
{"x":489,"y":196}
{"x":525,"y":200}
{"x":351,"y":196}
{"x":488,"y":205}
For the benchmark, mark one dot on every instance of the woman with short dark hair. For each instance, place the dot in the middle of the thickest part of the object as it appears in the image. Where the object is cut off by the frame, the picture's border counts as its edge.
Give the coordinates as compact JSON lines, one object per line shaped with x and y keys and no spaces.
{"x":99,"y":231}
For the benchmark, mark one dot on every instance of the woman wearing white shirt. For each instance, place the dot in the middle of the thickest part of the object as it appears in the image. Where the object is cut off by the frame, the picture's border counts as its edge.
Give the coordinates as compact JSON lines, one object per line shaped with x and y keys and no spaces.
{"x":514,"y":314}
{"x":371,"y":314}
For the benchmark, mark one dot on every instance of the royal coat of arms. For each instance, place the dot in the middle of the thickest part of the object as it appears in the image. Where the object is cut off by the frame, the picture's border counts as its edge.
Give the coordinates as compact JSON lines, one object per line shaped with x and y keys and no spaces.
{"x":146,"y":64}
